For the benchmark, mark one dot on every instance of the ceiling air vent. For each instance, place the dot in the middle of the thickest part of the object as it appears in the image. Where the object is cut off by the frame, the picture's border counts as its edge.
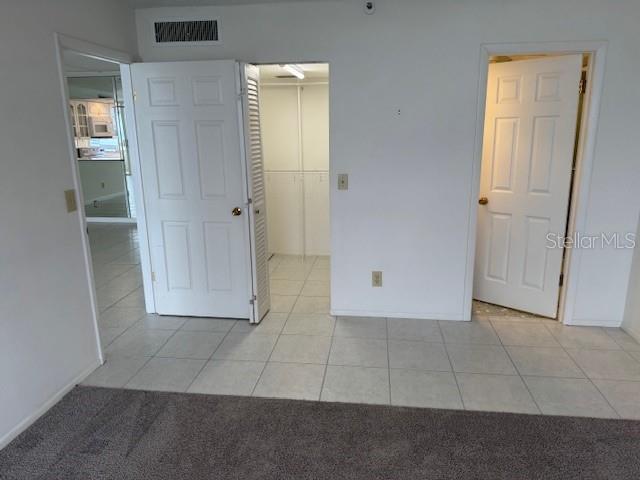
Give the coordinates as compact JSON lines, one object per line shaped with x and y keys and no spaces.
{"x":192,"y":31}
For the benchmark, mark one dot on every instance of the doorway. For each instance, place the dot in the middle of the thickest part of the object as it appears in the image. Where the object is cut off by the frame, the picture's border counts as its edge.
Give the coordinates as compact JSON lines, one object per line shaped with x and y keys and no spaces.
{"x":295,"y":136}
{"x":96,"y":107}
{"x":533,"y":131}
{"x":200,"y":139}
{"x":93,"y":85}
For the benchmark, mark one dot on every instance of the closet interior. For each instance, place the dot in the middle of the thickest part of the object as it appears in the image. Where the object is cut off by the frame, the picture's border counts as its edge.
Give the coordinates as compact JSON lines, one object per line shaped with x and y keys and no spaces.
{"x":295,"y":137}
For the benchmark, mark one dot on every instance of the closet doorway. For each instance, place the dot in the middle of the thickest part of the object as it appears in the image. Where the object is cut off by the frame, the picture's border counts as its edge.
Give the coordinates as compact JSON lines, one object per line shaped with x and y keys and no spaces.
{"x":294,"y":103}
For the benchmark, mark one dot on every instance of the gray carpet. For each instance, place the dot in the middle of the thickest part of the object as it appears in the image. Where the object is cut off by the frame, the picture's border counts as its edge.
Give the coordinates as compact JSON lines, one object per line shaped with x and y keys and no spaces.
{"x":96,"y":433}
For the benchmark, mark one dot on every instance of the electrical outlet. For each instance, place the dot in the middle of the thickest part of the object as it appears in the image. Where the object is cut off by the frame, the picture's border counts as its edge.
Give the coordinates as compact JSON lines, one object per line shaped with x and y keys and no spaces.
{"x":376,"y":279}
{"x":343,"y":181}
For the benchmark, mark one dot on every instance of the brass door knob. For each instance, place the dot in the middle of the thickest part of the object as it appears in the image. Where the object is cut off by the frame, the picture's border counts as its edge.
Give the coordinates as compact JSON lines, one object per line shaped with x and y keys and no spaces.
{"x":236,"y":212}
{"x":483,"y":200}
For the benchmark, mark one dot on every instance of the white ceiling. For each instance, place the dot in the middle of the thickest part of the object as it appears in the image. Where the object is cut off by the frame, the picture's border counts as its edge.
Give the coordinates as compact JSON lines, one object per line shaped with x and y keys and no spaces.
{"x":75,"y":62}
{"x":312,"y":72}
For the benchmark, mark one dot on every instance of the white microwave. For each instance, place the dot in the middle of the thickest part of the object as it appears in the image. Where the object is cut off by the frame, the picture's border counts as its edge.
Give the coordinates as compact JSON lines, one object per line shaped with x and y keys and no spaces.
{"x":101,"y":126}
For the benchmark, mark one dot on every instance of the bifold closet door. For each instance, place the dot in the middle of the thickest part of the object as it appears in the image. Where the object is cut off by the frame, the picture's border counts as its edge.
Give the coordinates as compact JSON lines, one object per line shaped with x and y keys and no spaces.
{"x":257,"y":208}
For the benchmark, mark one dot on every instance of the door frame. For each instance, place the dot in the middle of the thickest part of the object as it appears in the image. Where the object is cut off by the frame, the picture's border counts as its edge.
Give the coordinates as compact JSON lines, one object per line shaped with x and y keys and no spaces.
{"x":92,"y":50}
{"x":584,"y":159}
{"x":298,"y":84}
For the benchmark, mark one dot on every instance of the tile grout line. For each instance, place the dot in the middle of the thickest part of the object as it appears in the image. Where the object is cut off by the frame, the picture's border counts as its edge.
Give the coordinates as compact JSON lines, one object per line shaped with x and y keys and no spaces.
{"x":151,"y":357}
{"x":136,"y":373}
{"x":326,"y":366}
{"x":606,"y":331}
{"x":104,"y":349}
{"x":524,"y":382}
{"x":264,"y":367}
{"x":131,"y":267}
{"x":210,"y":356}
{"x":455,"y":377}
{"x":504,"y":347}
{"x":386,"y":324}
{"x":586,"y":376}
{"x":119,"y":299}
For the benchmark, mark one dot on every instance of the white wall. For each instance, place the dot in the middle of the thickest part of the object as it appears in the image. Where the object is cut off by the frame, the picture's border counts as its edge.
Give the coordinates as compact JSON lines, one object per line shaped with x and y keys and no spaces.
{"x":279,"y":124}
{"x":90,"y":87}
{"x":404,"y":86}
{"x":102,"y":180}
{"x":296,"y":160}
{"x":46,"y":331}
{"x":631,"y":321}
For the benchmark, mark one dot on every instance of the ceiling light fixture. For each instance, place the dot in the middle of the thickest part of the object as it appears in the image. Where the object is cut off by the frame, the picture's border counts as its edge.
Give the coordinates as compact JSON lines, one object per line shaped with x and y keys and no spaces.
{"x":294,"y":70}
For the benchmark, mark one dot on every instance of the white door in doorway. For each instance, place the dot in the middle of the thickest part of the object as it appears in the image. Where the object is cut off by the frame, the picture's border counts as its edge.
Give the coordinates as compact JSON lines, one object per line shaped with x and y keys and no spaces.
{"x":195,"y":188}
{"x":529,"y":136}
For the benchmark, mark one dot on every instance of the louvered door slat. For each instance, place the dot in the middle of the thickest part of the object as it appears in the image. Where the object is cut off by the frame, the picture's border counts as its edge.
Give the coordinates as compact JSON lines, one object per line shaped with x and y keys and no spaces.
{"x":258,"y":216}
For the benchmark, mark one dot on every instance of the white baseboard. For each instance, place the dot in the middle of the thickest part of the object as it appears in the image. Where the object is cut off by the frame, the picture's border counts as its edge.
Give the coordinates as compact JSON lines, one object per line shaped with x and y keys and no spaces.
{"x":587,"y":322}
{"x":27,"y":422}
{"x":103,"y":198}
{"x":634,"y":332}
{"x":111,"y":220}
{"x":420,"y":316}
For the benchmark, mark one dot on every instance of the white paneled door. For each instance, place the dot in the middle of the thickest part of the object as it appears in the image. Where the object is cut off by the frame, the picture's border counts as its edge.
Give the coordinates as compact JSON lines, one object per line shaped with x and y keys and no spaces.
{"x":195,"y":186}
{"x":529,"y":136}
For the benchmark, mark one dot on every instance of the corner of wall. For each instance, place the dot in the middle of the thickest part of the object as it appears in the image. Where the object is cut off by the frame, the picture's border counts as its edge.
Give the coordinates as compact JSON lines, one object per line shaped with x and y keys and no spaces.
{"x":631,"y":318}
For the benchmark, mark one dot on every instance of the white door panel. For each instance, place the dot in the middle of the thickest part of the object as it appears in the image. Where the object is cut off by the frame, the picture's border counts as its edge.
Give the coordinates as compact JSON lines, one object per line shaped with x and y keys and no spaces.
{"x":190,"y":152}
{"x":527,"y":159}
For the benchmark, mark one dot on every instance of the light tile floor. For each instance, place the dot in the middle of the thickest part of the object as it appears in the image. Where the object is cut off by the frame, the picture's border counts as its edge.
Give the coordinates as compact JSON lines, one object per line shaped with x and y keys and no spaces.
{"x":501,"y":361}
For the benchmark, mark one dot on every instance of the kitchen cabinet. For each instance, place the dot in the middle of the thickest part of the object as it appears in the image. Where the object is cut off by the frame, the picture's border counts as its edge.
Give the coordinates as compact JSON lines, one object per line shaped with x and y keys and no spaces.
{"x":100,"y":108}
{"x":80,"y":118}
{"x":87,"y":116}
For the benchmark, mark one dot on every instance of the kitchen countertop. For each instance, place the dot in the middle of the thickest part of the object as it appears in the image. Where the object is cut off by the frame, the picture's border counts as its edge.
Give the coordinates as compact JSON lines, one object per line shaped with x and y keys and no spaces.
{"x":100,"y":158}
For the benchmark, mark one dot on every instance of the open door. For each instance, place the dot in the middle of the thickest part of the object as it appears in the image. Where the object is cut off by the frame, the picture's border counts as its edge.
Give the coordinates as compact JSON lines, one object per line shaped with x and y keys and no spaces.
{"x":195,"y":187}
{"x":530,"y":127}
{"x":250,"y":78}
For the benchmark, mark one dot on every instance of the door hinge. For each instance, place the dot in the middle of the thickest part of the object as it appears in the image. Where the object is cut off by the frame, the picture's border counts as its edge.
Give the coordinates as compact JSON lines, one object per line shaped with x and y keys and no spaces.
{"x":135,"y":96}
{"x":252,"y":300}
{"x":582,"y":87}
{"x":243,"y":92}
{"x":561,"y":282}
{"x":153,"y":276}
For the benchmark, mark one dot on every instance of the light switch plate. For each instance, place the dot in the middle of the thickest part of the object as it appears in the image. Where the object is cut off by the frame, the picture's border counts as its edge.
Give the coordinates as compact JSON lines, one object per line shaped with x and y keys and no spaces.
{"x":70,"y":198}
{"x":343,"y":181}
{"x":376,"y":278}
